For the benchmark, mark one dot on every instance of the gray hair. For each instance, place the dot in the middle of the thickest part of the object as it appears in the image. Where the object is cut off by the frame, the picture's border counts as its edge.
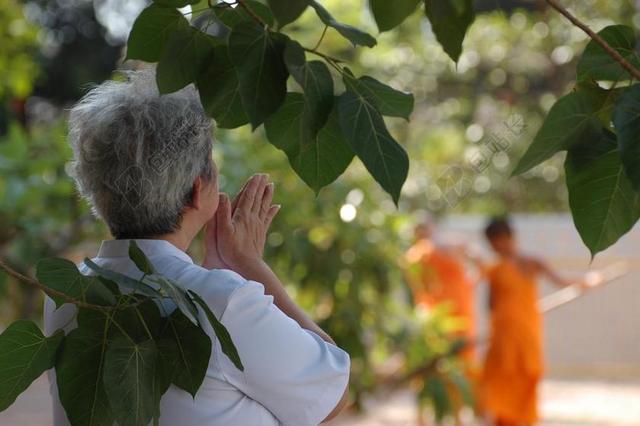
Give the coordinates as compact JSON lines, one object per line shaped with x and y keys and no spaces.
{"x":137,"y":153}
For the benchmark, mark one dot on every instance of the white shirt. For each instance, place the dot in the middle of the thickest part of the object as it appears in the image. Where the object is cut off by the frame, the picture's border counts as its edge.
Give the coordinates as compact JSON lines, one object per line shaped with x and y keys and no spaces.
{"x":291,"y":375}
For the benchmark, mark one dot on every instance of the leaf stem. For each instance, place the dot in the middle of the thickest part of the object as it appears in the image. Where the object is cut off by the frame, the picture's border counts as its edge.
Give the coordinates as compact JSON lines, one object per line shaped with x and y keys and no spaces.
{"x":323,"y":55}
{"x":144,"y":323}
{"x":635,"y":72}
{"x":324,"y":31}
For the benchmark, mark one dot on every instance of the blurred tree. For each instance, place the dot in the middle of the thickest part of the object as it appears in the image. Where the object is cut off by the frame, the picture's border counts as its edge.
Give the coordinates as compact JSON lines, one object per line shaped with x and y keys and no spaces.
{"x":18,"y":69}
{"x":71,"y":34}
{"x":336,"y":251}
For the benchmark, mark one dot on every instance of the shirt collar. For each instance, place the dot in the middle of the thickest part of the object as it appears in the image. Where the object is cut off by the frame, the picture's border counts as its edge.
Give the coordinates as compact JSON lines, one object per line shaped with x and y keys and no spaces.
{"x":120,"y":248}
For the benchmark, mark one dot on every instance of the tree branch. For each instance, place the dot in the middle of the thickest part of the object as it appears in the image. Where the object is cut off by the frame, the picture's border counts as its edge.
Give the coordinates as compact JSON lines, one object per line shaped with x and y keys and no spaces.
{"x":635,"y":72}
{"x":50,"y":292}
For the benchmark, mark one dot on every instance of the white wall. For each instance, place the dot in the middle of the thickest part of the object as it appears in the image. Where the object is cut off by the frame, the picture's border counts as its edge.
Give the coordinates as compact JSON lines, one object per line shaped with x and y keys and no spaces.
{"x":597,"y":335}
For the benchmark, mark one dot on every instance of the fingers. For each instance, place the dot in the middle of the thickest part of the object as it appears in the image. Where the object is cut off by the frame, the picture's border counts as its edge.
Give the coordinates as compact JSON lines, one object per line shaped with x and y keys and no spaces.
{"x":271,"y":213}
{"x":266,"y":201}
{"x":257,"y":201}
{"x":223,"y":215}
{"x":234,"y":204}
{"x":246,"y":199}
{"x":211,"y":225}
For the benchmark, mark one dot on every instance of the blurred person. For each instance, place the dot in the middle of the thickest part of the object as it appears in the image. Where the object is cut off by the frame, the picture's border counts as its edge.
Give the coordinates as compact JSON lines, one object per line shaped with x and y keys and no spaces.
{"x":144,"y":163}
{"x":513,"y":366}
{"x":438,"y":275}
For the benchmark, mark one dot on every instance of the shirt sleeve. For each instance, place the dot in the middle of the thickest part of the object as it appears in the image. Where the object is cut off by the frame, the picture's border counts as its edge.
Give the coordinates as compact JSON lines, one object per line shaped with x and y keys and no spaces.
{"x":291,"y":371}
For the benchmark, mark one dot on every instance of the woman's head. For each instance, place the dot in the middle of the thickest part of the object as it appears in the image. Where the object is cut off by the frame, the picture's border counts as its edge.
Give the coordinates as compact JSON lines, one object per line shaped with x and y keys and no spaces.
{"x":142,"y":159}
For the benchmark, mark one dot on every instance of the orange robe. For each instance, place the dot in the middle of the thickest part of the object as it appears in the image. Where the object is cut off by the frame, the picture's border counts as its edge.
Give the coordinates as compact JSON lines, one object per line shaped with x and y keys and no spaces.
{"x":441,"y":278}
{"x":513,"y":364}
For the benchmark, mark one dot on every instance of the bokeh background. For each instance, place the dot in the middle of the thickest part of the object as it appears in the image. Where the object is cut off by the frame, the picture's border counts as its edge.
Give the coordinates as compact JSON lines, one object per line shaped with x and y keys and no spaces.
{"x":339,"y":252}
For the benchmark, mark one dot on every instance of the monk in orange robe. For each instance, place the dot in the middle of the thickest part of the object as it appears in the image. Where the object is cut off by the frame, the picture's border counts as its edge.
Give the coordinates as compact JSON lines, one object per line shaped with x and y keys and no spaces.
{"x":437,"y":275}
{"x":513,"y":365}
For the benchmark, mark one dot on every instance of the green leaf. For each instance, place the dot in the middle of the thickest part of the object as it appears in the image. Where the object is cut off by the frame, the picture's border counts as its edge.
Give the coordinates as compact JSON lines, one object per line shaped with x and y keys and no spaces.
{"x":185,"y":350}
{"x":389,"y":101}
{"x":129,"y":369}
{"x":79,"y":371}
{"x":390,"y":14}
{"x":626,"y":120}
{"x":603,"y":203}
{"x":122,"y":280}
{"x":132,"y":318}
{"x":177,"y":295}
{"x":596,"y":64}
{"x":319,"y":159}
{"x":262,"y":74}
{"x":287,"y":11}
{"x":435,"y":389}
{"x":231,"y":16}
{"x":140,"y":259}
{"x":24,"y":355}
{"x":226,"y":344}
{"x":220,"y":91}
{"x":463,"y":386}
{"x":353,"y":34}
{"x":364,"y":128}
{"x":151,"y":30}
{"x":175,"y":3}
{"x":184,"y":56}
{"x":62,"y":275}
{"x":450,"y":20}
{"x":315,"y":79}
{"x":569,"y":120}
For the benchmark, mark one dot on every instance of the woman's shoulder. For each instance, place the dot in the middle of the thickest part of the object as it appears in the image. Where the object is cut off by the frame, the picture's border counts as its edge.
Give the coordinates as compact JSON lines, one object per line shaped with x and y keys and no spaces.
{"x":217,"y":287}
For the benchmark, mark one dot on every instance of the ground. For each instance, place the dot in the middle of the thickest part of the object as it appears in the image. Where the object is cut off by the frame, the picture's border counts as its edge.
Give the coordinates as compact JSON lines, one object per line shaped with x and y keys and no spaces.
{"x":564,"y":403}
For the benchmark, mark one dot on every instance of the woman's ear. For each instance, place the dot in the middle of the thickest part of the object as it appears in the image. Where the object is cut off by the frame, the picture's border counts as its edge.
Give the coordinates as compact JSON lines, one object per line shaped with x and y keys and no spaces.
{"x":196,"y":190}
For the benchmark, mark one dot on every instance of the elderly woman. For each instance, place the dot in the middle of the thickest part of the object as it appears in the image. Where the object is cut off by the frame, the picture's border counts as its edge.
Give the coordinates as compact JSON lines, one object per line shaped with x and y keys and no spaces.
{"x":144,"y":163}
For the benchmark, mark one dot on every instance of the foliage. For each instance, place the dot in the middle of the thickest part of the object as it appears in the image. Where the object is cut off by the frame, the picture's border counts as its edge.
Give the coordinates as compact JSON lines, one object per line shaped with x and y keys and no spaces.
{"x":602,"y":164}
{"x":17,"y":48}
{"x":443,"y":387}
{"x":124,"y":354}
{"x":241,"y":60}
{"x":247,"y":40}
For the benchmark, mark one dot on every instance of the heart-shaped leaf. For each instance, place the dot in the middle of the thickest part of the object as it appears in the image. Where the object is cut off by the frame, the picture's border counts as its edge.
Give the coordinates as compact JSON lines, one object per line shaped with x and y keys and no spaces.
{"x":603,"y":203}
{"x":262,"y":75}
{"x":450,"y":20}
{"x":79,"y":371}
{"x":319,"y":159}
{"x":185,"y":55}
{"x":219,"y":90}
{"x":596,"y":64}
{"x":626,"y":119}
{"x":390,"y":14}
{"x":185,"y":350}
{"x":24,"y":355}
{"x":151,"y":30}
{"x":129,"y":369}
{"x":62,"y":275}
{"x":571,"y":119}
{"x":287,"y":11}
{"x":353,"y":34}
{"x":226,"y":344}
{"x":364,"y":128}
{"x":389,"y":101}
